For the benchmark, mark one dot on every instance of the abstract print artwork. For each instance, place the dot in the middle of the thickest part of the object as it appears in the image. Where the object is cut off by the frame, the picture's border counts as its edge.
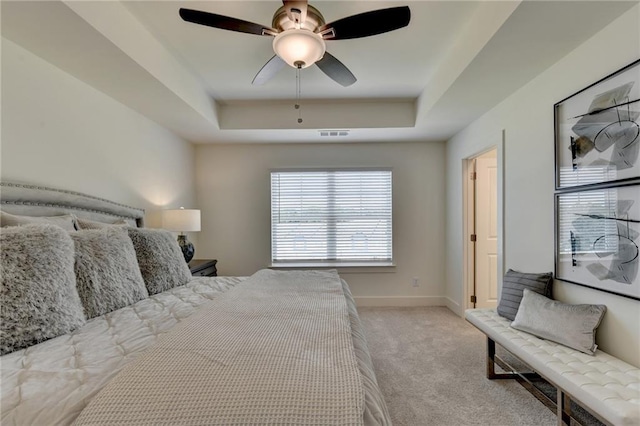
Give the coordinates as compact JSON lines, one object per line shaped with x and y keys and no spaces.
{"x":597,"y":238}
{"x":598,"y":131}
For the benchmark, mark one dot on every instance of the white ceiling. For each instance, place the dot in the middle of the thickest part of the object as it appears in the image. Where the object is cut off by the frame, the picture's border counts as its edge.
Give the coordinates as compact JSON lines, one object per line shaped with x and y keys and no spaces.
{"x":425,"y":82}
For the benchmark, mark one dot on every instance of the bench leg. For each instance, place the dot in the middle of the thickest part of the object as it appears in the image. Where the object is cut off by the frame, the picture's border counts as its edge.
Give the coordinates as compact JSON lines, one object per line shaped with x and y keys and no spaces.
{"x":564,"y":408}
{"x":491,"y":363}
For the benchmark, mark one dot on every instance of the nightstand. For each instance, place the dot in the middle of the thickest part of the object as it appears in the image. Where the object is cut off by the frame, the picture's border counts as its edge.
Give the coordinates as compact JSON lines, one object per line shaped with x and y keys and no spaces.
{"x":203,"y":267}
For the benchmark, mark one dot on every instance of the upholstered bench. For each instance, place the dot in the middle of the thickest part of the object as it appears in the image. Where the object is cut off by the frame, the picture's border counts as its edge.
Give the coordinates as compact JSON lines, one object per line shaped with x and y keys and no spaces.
{"x":605,"y":386}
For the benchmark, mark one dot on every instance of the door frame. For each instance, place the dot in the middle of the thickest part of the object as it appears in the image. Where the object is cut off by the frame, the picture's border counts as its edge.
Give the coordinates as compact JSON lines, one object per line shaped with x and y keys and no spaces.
{"x":468,"y":217}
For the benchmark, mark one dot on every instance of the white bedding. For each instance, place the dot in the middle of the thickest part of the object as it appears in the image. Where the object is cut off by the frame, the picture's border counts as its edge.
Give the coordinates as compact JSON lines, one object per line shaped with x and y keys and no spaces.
{"x":50,"y":383}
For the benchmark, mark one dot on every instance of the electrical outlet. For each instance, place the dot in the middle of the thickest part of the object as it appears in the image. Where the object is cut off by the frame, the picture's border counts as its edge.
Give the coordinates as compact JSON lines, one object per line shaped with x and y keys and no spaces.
{"x":414,"y":282}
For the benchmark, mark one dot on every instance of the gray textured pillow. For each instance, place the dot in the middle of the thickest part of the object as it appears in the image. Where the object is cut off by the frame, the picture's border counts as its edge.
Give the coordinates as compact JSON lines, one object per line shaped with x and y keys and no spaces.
{"x":91,"y":224}
{"x":38,"y":287}
{"x":160,"y":258}
{"x":514,"y":283}
{"x":107,"y":273}
{"x":570,"y":325}
{"x":65,"y":221}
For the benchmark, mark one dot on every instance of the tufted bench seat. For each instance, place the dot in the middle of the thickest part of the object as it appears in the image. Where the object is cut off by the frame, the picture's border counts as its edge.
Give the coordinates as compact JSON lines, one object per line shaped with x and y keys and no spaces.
{"x":602,"y":384}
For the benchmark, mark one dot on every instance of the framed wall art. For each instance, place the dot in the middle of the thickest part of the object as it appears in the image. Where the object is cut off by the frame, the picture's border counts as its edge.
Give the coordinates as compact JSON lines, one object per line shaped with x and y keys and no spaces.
{"x":597,"y":238}
{"x":597,"y":131}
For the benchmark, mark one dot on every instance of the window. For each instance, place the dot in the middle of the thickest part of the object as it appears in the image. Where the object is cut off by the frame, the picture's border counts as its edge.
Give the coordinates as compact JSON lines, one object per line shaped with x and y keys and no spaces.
{"x":331,"y":216}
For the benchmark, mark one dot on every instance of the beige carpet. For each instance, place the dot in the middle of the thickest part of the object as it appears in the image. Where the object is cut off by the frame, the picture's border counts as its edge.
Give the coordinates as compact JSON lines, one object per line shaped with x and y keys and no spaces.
{"x":430,"y":366}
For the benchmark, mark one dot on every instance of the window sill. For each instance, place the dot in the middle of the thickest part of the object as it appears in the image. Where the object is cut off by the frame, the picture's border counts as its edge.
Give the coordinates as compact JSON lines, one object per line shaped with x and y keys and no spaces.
{"x":343,"y":267}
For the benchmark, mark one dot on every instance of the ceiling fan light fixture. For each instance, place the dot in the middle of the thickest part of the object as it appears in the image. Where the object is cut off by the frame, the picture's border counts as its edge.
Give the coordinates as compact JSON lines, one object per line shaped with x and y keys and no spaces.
{"x":299,"y":47}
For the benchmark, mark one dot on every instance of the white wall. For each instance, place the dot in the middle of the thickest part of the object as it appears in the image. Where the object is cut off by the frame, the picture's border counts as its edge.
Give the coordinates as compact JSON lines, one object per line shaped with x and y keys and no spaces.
{"x":234,"y":193}
{"x":60,"y":132}
{"x":527,"y":117}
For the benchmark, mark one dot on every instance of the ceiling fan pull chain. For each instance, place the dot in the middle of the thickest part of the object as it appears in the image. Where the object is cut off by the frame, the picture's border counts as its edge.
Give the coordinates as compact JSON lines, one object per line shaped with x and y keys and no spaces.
{"x":297,"y":105}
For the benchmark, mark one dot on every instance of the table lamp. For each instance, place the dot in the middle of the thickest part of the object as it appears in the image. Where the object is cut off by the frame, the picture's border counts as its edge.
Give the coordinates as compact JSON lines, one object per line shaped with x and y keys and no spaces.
{"x":182,"y":220}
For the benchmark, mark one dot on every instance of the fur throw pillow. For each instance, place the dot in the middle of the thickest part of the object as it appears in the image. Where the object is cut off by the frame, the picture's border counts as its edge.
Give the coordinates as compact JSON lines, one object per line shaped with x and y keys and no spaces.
{"x":38,"y":287}
{"x":160,"y":258}
{"x":65,"y":221}
{"x":92,"y":224}
{"x":107,"y":273}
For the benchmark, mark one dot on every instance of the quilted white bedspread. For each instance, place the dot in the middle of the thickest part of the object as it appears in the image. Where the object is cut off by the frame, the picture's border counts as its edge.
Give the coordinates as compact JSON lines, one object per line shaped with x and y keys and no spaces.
{"x":50,"y":383}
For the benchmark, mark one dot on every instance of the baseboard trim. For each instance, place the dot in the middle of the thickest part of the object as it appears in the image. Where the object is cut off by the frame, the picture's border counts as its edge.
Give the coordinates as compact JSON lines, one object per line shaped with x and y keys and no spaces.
{"x":400,"y":301}
{"x":453,"y":306}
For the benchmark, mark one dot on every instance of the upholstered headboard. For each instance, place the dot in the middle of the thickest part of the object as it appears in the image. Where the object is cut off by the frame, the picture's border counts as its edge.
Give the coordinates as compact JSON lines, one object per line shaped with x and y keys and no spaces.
{"x":32,"y":200}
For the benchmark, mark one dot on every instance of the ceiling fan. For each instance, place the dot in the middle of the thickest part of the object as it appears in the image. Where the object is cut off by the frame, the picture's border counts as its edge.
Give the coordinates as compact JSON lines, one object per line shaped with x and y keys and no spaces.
{"x":299,"y":32}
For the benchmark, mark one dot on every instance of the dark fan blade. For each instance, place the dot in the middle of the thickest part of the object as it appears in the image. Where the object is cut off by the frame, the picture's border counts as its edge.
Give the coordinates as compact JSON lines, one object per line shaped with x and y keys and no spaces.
{"x":224,"y":22}
{"x":269,"y":69}
{"x":296,"y":10}
{"x":336,"y":70}
{"x":367,"y":24}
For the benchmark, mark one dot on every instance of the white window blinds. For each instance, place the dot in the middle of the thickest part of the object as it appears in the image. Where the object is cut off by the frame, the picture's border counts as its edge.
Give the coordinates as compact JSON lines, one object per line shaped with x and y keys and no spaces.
{"x":331,"y":215}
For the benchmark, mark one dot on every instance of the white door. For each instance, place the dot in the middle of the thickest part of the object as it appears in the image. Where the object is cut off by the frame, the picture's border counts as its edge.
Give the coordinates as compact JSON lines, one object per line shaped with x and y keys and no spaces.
{"x":486,"y":227}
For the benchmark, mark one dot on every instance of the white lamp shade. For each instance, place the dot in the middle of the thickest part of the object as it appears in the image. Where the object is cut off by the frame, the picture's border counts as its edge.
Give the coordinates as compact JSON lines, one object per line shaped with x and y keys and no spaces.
{"x":299,"y":46}
{"x":181,"y":220}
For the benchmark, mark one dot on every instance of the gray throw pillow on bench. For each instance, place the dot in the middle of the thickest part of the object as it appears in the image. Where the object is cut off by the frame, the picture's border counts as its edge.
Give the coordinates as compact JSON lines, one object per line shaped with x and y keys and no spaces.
{"x":38,"y":286}
{"x":514,"y":283}
{"x":570,"y":325}
{"x":161,"y":261}
{"x":107,"y":272}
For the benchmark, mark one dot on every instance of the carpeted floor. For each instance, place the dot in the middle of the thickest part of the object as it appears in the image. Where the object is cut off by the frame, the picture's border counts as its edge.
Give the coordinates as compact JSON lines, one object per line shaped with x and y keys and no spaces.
{"x":430,"y":366}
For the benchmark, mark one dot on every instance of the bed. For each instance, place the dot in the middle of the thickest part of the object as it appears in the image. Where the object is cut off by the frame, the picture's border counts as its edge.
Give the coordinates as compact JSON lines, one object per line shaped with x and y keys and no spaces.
{"x":105,"y":367}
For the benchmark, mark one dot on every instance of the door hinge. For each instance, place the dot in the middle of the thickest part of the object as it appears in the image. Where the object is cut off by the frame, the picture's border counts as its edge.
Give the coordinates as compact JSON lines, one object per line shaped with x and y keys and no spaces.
{"x":474,"y":238}
{"x":473,"y":175}
{"x":473,"y":299}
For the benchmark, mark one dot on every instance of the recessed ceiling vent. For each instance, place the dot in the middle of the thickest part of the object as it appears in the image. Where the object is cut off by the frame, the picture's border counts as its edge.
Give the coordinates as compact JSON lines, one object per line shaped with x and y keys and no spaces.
{"x":333,"y":133}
